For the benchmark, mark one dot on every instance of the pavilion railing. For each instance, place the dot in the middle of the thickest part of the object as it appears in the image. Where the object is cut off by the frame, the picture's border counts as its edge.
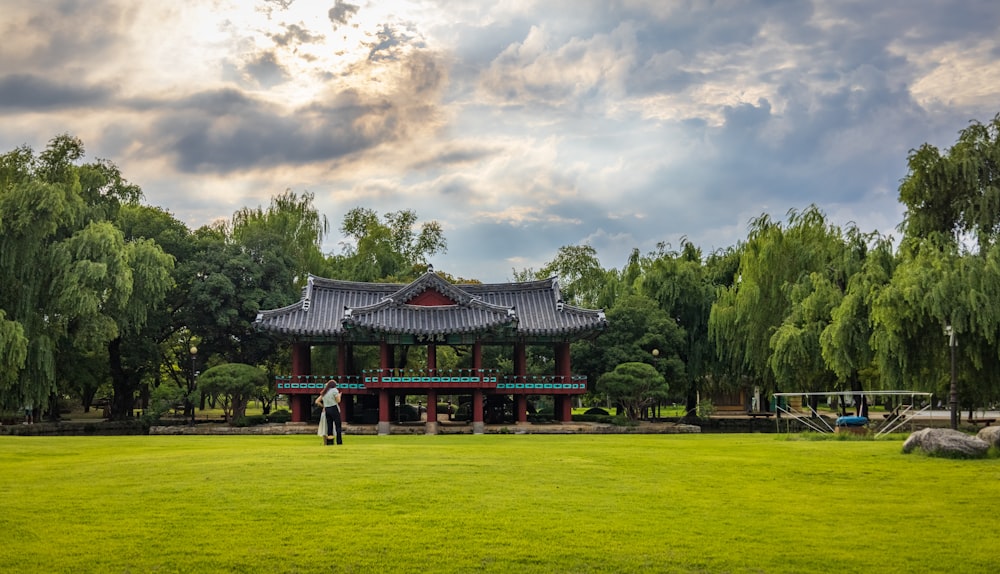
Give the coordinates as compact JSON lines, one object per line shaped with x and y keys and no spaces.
{"x":410,"y":378}
{"x":439,"y":378}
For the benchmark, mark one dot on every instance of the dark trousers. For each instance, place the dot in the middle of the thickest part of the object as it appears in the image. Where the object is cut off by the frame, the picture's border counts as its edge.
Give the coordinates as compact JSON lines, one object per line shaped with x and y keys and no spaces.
{"x":333,"y":420}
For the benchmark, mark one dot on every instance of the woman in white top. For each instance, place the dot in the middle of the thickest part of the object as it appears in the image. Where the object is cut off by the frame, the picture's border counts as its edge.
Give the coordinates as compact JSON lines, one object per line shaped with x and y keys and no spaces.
{"x":329,"y":399}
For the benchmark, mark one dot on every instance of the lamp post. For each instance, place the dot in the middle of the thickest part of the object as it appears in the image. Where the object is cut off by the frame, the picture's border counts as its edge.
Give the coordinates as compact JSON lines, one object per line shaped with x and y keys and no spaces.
{"x":194,"y":354}
{"x":656,"y":356}
{"x":953,"y":392}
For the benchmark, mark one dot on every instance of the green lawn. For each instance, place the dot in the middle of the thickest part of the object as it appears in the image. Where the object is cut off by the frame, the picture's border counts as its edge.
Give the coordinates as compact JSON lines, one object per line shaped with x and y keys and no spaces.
{"x":491,"y":503}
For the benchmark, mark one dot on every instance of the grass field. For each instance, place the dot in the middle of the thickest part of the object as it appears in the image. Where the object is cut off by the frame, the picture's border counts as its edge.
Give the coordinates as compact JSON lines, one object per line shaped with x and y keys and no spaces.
{"x":492,"y":503}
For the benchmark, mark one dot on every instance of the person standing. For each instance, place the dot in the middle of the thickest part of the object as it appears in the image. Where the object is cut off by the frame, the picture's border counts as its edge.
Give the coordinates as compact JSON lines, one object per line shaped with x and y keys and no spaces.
{"x":29,"y":411}
{"x":329,"y":399}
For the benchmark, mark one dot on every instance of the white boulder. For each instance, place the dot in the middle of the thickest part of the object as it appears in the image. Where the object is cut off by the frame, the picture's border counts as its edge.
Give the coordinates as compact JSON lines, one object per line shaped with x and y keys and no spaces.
{"x":947,"y":443}
{"x":990,"y":435}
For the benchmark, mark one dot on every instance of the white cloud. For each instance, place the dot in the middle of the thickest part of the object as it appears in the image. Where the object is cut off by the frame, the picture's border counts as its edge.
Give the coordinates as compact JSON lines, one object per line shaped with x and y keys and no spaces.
{"x":521,"y":126}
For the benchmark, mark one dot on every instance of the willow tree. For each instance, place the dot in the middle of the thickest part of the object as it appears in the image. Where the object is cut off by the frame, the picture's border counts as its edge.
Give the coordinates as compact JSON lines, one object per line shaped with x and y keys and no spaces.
{"x":290,"y":222}
{"x":950,"y":229}
{"x":846,"y":342}
{"x":684,"y":286}
{"x":780,"y":267}
{"x":71,"y":281}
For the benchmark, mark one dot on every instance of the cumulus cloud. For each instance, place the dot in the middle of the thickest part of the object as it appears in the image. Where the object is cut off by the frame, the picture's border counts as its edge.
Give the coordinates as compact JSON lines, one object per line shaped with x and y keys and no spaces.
{"x":293,"y":34}
{"x":265,"y":69}
{"x":32,"y":92}
{"x":341,"y":12}
{"x":520,"y":126}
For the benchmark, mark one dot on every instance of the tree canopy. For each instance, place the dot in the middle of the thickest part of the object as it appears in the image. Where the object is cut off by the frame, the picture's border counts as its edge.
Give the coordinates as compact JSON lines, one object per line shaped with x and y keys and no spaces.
{"x":102,"y":292}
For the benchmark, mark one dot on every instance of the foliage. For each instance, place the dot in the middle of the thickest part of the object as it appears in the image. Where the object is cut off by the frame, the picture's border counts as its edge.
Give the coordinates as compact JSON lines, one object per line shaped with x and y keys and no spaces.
{"x":706,"y":408}
{"x":291,"y":226}
{"x":234,"y":384}
{"x":768,"y":323}
{"x":386,"y":250}
{"x":636,"y":386}
{"x":685,"y":287}
{"x":163,"y":399}
{"x":279,"y":416}
{"x":636,"y":327}
{"x":956,"y":193}
{"x":947,"y":273}
{"x":72,"y":283}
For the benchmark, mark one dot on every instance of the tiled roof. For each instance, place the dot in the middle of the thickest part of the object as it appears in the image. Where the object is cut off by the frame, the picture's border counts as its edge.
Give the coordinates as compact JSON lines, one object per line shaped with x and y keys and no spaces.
{"x":330,"y":307}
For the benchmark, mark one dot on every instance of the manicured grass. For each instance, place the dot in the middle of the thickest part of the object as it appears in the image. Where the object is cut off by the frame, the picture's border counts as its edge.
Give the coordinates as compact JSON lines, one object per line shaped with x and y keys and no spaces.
{"x":493,"y":503}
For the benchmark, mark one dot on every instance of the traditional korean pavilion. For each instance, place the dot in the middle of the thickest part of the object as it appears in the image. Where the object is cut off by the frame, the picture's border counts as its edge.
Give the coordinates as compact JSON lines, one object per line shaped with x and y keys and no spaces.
{"x":428,"y":313}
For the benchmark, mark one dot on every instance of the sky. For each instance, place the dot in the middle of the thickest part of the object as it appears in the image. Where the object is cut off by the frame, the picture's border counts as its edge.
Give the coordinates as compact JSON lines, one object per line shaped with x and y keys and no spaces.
{"x":520,"y":126}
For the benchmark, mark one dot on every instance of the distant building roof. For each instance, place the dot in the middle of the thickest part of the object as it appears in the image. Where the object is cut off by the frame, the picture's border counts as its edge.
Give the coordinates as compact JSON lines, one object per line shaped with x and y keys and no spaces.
{"x":430,"y":307}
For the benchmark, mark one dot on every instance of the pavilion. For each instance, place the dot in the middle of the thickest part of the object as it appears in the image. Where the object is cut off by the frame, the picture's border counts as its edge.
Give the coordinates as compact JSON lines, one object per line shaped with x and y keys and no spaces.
{"x":431,"y":312}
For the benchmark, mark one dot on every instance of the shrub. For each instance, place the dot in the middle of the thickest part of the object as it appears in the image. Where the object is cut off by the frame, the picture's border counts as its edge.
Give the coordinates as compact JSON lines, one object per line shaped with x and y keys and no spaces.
{"x":706,"y":408}
{"x":234,"y":384}
{"x":279,"y":416}
{"x":163,"y":399}
{"x":623,"y":421}
{"x":249,"y":420}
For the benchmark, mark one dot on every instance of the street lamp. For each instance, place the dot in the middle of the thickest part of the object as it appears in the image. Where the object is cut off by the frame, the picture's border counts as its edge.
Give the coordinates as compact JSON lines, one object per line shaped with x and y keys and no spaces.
{"x":949,"y":331}
{"x":656,"y":356}
{"x":194,"y":354}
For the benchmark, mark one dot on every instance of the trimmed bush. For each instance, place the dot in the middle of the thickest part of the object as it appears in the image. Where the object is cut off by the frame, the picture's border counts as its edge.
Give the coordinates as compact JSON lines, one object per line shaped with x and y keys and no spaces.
{"x":279,"y":416}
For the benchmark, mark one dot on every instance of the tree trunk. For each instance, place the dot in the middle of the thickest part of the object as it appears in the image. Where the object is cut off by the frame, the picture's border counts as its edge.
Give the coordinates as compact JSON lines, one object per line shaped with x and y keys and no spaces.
{"x":813,"y":403}
{"x":860,"y":401}
{"x":121,"y":383}
{"x":691,"y":403}
{"x":88,"y":398}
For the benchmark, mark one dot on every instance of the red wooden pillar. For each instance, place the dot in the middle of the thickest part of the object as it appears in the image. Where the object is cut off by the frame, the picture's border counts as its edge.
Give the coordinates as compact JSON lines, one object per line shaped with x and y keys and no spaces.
{"x":563,"y":375}
{"x":566,"y":414}
{"x":347,"y":401}
{"x":478,"y":427}
{"x":385,"y":358}
{"x":431,"y":361}
{"x":520,"y":362}
{"x":522,"y":408}
{"x":383,"y":411}
{"x":432,"y":405}
{"x":477,"y":357}
{"x":431,"y":426}
{"x":301,"y":369}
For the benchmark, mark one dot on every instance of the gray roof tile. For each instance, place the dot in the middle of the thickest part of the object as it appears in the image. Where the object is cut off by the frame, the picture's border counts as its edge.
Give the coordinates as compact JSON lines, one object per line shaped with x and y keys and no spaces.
{"x":527,"y":309}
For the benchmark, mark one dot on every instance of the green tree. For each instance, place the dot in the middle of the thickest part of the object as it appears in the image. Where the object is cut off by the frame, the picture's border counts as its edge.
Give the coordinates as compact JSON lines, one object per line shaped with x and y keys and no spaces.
{"x":71,"y":281}
{"x":776,"y":274}
{"x":234,"y":384}
{"x":636,"y":327}
{"x":950,"y":229}
{"x":635,"y":386}
{"x":391,"y":249}
{"x":846,"y":342}
{"x":580,"y":275}
{"x":144,"y":358}
{"x":683,"y":286}
{"x":956,"y":193}
{"x":292,"y":224}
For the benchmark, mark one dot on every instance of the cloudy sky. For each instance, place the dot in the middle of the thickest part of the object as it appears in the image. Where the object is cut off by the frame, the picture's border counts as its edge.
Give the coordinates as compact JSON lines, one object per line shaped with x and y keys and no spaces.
{"x":521,"y":126}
